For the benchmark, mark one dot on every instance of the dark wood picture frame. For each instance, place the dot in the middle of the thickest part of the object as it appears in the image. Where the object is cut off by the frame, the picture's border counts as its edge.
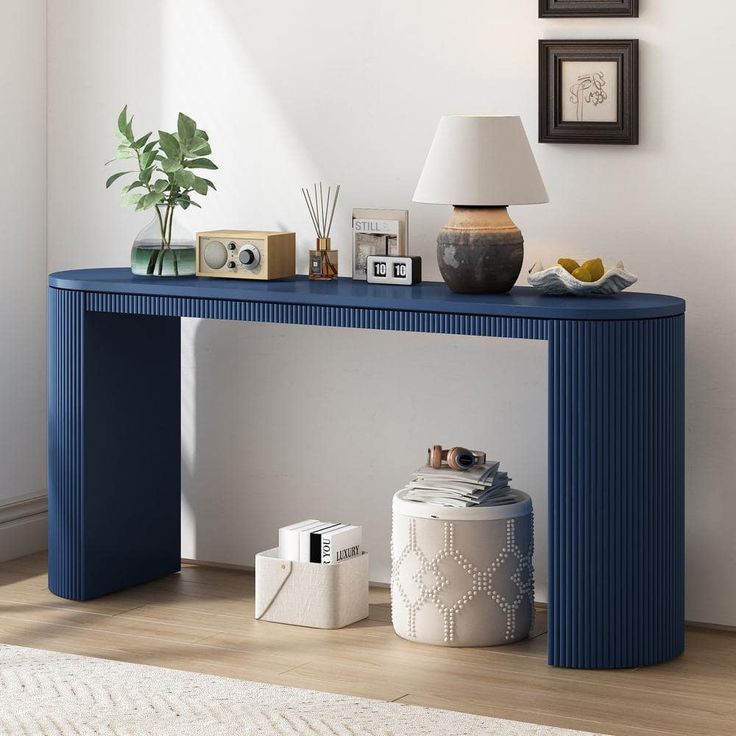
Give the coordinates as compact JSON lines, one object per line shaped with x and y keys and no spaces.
{"x":588,"y":8}
{"x":552,"y":127}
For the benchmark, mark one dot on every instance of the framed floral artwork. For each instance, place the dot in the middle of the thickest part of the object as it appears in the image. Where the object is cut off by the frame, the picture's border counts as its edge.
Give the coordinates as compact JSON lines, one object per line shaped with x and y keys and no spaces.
{"x":589,"y":92}
{"x":588,"y":8}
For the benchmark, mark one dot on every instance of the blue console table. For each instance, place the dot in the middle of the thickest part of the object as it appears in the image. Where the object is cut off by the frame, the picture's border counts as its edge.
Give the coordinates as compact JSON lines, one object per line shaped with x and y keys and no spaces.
{"x":616,"y":435}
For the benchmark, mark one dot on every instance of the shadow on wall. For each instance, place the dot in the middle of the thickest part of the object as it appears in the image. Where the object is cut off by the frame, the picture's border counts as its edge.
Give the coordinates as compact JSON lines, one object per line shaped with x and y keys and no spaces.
{"x":294,"y":422}
{"x":285,"y":110}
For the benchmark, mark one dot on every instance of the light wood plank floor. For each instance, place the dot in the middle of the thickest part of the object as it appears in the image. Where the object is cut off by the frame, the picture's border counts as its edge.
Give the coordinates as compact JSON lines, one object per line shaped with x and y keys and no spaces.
{"x":202,"y":620}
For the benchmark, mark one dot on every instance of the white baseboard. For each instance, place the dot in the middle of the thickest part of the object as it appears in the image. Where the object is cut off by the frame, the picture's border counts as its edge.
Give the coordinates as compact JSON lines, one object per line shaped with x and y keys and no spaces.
{"x":23,"y":527}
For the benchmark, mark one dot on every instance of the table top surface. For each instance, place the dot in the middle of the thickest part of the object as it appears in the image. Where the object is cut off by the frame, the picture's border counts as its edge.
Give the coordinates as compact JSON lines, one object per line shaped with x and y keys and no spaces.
{"x":521,"y":301}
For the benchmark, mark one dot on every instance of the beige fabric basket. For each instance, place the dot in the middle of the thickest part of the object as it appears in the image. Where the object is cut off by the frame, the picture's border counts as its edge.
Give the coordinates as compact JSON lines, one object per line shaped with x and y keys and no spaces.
{"x":309,"y":594}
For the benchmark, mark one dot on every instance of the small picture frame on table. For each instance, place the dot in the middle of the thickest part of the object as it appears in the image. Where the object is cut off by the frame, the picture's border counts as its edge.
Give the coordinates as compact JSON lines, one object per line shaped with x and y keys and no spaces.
{"x":589,"y":92}
{"x":588,"y":8}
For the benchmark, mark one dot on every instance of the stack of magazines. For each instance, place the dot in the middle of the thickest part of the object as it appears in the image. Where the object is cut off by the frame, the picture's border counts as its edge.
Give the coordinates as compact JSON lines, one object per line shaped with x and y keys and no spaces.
{"x":481,"y":485}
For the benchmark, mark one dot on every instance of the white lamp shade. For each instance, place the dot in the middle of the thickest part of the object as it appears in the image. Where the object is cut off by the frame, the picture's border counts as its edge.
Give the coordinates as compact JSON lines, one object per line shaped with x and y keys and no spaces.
{"x":480,"y":161}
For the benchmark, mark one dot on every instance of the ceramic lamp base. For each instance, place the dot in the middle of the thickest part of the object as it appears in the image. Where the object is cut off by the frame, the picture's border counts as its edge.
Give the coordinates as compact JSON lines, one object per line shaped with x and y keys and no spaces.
{"x":480,"y":251}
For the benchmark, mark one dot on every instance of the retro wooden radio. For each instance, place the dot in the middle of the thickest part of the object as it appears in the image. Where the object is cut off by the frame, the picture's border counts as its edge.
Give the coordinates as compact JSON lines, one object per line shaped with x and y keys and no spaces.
{"x":245,"y":254}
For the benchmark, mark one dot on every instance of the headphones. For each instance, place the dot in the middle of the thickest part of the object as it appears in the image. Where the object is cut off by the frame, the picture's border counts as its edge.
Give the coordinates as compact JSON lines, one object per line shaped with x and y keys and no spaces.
{"x":457,"y":458}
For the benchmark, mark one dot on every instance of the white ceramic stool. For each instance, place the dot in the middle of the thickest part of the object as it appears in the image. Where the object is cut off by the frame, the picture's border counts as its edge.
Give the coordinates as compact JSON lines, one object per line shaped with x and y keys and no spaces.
{"x":462,"y":577}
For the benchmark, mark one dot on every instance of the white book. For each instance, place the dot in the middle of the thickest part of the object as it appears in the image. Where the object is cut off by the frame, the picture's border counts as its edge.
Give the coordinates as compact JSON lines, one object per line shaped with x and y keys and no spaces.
{"x":305,"y":539}
{"x":318,"y":540}
{"x":289,"y":538}
{"x":315,"y":541}
{"x":341,"y":544}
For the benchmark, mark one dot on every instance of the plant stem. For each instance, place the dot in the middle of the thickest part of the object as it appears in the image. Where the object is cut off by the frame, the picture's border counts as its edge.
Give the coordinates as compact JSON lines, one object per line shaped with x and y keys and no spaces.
{"x":162,"y":226}
{"x":166,"y":222}
{"x":170,"y":208}
{"x":167,"y":226}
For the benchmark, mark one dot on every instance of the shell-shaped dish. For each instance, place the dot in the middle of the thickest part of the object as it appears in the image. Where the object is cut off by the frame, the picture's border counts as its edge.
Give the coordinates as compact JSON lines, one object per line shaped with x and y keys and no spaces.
{"x":557,"y":280}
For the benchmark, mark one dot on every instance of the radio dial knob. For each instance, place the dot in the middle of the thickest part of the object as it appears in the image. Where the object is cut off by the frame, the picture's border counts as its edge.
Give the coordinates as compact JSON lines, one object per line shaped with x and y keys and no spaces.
{"x":250,"y":257}
{"x":231,"y":264}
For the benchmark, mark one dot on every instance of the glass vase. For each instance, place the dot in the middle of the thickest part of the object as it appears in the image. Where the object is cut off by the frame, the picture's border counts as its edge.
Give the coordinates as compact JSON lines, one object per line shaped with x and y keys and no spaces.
{"x":165,"y":247}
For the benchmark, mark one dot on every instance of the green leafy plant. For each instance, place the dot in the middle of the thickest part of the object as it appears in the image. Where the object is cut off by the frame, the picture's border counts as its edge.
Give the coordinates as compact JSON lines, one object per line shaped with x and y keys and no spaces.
{"x":165,"y":177}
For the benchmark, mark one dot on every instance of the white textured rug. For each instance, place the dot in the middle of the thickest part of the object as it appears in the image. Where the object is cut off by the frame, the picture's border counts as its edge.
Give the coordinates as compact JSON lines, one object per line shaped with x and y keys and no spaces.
{"x":61,"y":694}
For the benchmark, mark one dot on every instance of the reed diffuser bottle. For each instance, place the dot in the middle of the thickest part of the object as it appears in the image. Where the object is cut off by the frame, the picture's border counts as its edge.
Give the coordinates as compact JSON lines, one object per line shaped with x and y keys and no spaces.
{"x":322,"y":259}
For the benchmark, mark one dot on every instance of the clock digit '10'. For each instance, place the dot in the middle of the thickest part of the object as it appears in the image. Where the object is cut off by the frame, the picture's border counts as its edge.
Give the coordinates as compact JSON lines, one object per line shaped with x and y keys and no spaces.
{"x":405,"y":270}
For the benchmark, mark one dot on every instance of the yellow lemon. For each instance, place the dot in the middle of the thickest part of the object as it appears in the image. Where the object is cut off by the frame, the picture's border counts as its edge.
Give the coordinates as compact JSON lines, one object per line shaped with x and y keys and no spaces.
{"x":595,"y":268}
{"x":582,"y":274}
{"x":568,"y":264}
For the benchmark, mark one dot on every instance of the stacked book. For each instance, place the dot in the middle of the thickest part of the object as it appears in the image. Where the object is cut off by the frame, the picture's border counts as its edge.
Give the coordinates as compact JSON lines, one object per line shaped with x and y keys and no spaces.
{"x":481,"y":485}
{"x":323,"y":543}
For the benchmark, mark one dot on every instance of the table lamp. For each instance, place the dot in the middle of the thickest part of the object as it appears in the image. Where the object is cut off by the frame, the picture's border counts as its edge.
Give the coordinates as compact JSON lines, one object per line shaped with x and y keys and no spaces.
{"x":480,"y":165}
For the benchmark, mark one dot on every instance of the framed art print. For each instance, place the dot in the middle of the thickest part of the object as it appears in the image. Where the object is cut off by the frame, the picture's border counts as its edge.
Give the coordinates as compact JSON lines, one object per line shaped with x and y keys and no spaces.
{"x":588,"y":8}
{"x":589,"y":92}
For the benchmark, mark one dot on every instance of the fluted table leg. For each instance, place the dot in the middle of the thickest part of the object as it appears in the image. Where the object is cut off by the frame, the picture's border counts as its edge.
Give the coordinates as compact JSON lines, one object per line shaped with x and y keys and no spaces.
{"x":114,"y":448}
{"x":616,"y":492}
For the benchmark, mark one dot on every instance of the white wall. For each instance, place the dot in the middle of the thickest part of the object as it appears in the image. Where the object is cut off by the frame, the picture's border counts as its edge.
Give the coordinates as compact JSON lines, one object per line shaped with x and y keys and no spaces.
{"x":296,"y":91}
{"x":23,"y":276}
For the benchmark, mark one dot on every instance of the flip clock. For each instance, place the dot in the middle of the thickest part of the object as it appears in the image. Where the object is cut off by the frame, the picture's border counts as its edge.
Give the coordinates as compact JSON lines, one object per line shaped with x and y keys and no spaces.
{"x":406,"y":270}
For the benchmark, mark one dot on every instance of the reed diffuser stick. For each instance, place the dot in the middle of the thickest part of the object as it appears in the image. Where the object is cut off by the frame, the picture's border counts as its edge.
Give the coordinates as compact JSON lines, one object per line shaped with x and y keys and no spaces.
{"x":309,"y":208}
{"x":316,"y":207}
{"x":321,"y":209}
{"x":334,"y":204}
{"x":329,"y":189}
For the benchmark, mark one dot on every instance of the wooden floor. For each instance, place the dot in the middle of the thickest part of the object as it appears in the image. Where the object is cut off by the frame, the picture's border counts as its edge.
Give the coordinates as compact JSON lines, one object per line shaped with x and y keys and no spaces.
{"x":202,"y":620}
